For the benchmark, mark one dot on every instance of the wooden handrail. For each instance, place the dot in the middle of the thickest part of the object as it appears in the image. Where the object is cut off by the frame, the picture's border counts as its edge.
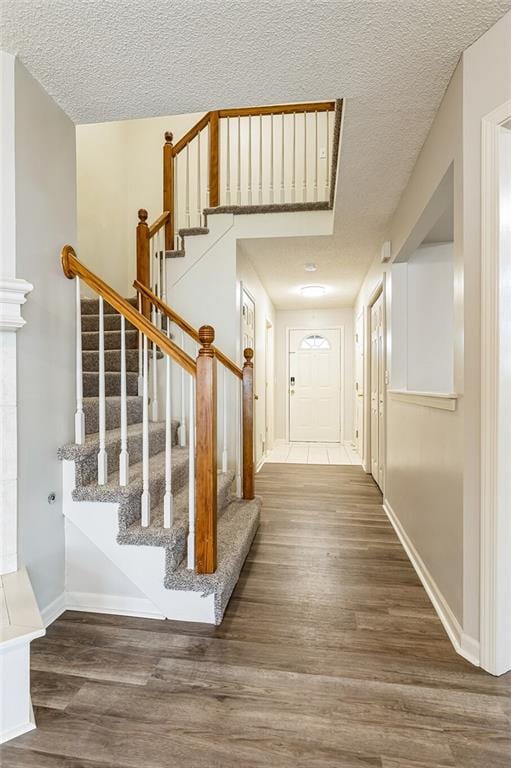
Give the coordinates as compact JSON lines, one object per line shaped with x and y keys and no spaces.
{"x":278,"y":109}
{"x":185,"y":326}
{"x":159,"y":223}
{"x":191,"y":134}
{"x":74,"y":268}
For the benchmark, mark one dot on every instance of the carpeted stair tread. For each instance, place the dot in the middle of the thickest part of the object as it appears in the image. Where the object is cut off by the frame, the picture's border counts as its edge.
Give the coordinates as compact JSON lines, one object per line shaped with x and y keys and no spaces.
{"x":111,"y":323}
{"x":112,"y":383}
{"x":193,"y":231}
{"x":85,"y":456}
{"x":238,"y":210}
{"x":134,"y":406}
{"x":177,"y":253}
{"x":90,"y":360}
{"x":91,"y":306}
{"x":236,"y":530}
{"x":90,"y":339}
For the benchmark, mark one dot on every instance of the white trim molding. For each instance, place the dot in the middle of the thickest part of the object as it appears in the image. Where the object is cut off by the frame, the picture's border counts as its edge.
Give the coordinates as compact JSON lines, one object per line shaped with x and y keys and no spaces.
{"x":443,"y":400}
{"x":13,"y":292}
{"x":465,"y":646}
{"x":495,"y":616}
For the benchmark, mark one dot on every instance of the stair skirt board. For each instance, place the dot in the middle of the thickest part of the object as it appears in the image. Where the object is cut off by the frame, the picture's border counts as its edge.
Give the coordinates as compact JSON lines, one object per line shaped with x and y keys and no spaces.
{"x":180,"y":595}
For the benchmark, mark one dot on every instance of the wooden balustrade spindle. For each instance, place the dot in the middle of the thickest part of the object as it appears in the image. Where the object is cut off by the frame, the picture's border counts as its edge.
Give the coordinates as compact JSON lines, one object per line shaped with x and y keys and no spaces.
{"x":260,"y":159}
{"x":190,"y":560}
{"x":187,"y":186}
{"x":293,"y":176}
{"x":316,"y":152}
{"x":140,"y":380}
{"x":102,"y":455}
{"x":282,"y":192}
{"x":238,"y":186}
{"x":271,"y":159}
{"x":199,"y":206}
{"x":224,"y":420}
{"x":304,"y":182}
{"x":146,"y":496}
{"x":168,"y":501}
{"x":248,"y":425}
{"x":214,"y":176}
{"x":181,"y":432}
{"x":249,"y":160}
{"x":168,"y":189}
{"x":143,"y":258}
{"x":206,"y":452}
{"x":228,"y":162}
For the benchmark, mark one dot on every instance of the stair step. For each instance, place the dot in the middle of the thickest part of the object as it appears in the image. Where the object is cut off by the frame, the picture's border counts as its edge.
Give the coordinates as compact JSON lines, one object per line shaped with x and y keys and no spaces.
{"x":91,"y":306}
{"x":238,"y":210}
{"x":236,"y":530}
{"x":90,"y":360}
{"x":112,"y":412}
{"x":85,"y":456}
{"x":193,"y":231}
{"x":178,"y":253}
{"x":90,"y":339}
{"x":111,"y":323}
{"x":112,"y":383}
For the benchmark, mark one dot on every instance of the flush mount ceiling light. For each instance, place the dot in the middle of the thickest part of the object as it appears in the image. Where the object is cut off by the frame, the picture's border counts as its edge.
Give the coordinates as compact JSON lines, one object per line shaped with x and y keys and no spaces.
{"x":310,"y":267}
{"x":310,"y":291}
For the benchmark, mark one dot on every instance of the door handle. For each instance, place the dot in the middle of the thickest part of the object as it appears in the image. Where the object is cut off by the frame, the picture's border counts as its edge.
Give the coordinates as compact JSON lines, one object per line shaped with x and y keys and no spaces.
{"x":256,"y":397}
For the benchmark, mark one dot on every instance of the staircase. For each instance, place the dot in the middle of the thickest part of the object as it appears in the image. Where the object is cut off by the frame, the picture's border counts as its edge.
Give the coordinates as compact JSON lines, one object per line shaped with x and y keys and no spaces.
{"x":160,"y":477}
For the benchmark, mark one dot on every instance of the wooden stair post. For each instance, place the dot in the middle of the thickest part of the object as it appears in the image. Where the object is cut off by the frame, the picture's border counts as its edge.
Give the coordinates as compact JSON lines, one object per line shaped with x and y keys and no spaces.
{"x":248,"y":425}
{"x":206,"y":461}
{"x":168,"y":189}
{"x":143,"y":267}
{"x":214,"y":161}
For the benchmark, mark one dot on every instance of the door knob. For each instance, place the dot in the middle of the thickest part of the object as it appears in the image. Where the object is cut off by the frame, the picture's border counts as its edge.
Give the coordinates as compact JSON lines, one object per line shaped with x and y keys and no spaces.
{"x":256,"y":397}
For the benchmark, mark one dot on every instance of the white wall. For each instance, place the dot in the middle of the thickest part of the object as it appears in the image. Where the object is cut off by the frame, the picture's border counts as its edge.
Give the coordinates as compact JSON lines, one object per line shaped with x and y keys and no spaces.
{"x":313,"y":319}
{"x":45,"y":221}
{"x":422,"y":323}
{"x":265,"y":312}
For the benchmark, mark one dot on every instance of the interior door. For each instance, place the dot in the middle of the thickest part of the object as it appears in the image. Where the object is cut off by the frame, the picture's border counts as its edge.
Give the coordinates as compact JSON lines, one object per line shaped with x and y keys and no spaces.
{"x":248,"y":340}
{"x":314,"y":385}
{"x":377,"y":391}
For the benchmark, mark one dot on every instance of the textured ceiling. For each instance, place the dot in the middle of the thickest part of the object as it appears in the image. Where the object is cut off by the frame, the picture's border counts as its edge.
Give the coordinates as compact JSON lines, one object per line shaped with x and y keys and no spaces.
{"x":390,"y":59}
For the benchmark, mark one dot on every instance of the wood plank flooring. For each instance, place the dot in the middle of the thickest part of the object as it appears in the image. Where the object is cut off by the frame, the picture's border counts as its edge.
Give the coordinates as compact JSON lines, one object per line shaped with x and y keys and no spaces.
{"x":330,"y":656}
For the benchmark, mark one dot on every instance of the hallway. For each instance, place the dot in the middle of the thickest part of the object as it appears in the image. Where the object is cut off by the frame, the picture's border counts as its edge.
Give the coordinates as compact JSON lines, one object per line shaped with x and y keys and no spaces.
{"x":330,"y":654}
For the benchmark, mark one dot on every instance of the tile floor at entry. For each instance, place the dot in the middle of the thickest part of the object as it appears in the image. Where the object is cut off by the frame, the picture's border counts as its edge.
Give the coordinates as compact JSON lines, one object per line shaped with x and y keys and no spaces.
{"x":312,"y":453}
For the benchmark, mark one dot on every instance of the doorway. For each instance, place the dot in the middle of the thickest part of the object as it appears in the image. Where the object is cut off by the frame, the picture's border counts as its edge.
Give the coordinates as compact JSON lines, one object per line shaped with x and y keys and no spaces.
{"x":377,"y":388}
{"x":315,"y":385}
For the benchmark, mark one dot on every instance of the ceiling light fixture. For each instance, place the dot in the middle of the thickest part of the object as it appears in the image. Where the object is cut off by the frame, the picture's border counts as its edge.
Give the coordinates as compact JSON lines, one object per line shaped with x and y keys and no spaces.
{"x":310,"y":291}
{"x":310,"y":267}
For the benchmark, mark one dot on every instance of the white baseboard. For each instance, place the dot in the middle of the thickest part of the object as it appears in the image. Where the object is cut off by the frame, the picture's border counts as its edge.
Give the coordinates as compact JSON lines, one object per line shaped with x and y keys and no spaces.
{"x":463,"y":644}
{"x":52,"y":611}
{"x":120,"y":605}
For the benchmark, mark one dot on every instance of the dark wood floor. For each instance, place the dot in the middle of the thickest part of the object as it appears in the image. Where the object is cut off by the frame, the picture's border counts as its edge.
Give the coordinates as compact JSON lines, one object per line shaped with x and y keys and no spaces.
{"x":330,"y":654}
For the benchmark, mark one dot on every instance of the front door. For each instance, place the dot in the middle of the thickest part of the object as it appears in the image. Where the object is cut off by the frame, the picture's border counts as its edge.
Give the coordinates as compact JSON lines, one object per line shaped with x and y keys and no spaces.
{"x":314,"y":385}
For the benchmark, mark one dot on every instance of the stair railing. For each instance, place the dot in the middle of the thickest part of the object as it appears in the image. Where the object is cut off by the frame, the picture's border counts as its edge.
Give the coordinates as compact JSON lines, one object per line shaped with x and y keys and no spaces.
{"x":244,"y":400}
{"x":202,"y":413}
{"x":280,"y":157}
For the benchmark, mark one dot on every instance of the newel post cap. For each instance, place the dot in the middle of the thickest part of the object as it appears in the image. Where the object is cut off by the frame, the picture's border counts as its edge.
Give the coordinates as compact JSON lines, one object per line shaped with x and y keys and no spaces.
{"x":142,"y":215}
{"x":206,"y":338}
{"x":169,"y":137}
{"x":248,"y":354}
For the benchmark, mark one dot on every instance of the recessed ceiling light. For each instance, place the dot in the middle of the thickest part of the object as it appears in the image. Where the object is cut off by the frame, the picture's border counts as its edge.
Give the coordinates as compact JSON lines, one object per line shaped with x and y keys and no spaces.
{"x":310,"y":267}
{"x":310,"y":291}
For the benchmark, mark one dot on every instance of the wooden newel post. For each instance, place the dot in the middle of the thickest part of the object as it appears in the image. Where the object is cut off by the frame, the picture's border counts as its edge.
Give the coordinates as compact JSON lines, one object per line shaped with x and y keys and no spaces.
{"x":206,"y":460}
{"x":248,"y":425}
{"x":143,"y":273}
{"x":214,"y":161}
{"x":168,"y":189}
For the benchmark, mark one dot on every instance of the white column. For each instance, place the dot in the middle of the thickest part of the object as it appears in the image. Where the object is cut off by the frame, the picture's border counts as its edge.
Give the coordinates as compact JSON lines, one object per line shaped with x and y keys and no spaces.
{"x":12,"y":296}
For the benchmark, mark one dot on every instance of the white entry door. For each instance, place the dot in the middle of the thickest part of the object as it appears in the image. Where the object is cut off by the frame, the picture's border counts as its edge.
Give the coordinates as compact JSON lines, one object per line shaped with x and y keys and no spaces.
{"x":314,"y":385}
{"x":377,"y":391}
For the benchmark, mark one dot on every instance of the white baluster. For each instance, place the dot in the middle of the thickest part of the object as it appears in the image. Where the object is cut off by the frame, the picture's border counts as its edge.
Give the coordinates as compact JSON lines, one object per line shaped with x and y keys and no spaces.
{"x":207,"y":172}
{"x":167,"y":498}
{"x":182,"y":426}
{"x":250,"y":160}
{"x":199,"y":207}
{"x":140,"y":380}
{"x":304,"y":182}
{"x":123,"y":457}
{"x":260,"y":159}
{"x":146,"y":496}
{"x":293,"y":177}
{"x":102,"y":456}
{"x":238,"y":196}
{"x":224,"y":415}
{"x":228,"y":160}
{"x":176,"y":203}
{"x":79,"y":415}
{"x":191,"y":478}
{"x":327,"y":174}
{"x":164,"y":276}
{"x":271,"y":159}
{"x":154,"y":318}
{"x":316,"y":152}
{"x":282,"y":194}
{"x":188,"y":218}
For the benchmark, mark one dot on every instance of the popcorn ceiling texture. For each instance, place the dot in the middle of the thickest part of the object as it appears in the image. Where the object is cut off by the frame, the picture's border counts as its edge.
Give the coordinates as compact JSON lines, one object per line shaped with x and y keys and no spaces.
{"x":391,"y":61}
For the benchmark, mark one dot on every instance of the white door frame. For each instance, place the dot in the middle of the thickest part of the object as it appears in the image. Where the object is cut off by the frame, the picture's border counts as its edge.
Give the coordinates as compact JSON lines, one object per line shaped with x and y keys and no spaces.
{"x":495,"y":559}
{"x":268,"y":385}
{"x":341,"y":373}
{"x":366,"y":459}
